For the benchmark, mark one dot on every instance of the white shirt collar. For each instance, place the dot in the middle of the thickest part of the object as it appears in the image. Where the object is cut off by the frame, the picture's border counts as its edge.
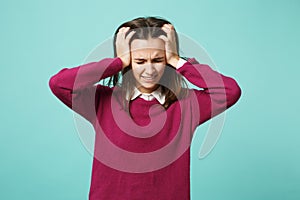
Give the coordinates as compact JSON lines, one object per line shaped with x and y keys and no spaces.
{"x":148,"y":96}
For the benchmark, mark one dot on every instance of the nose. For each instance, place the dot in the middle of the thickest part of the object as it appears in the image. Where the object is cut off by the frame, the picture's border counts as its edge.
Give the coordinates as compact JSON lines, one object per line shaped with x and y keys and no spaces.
{"x":149,"y":69}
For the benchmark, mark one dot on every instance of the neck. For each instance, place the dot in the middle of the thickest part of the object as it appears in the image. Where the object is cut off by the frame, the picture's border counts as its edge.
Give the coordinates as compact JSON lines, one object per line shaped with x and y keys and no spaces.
{"x":147,"y":90}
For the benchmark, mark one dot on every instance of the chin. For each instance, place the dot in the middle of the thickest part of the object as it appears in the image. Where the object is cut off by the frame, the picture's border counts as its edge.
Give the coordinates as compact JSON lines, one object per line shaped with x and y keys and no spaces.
{"x":148,"y":87}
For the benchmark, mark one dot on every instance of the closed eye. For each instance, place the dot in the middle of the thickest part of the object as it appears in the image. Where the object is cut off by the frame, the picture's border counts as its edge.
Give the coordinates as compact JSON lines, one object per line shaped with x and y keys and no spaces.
{"x":157,"y":60}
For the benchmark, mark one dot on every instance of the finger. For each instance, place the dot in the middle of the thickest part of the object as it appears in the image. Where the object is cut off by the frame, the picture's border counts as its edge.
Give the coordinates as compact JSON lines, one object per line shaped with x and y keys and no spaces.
{"x":168,"y":26}
{"x":122,"y":31}
{"x":163,"y":37}
{"x":124,"y":28}
{"x":166,"y":29}
{"x":169,"y":33}
{"x":128,"y":37}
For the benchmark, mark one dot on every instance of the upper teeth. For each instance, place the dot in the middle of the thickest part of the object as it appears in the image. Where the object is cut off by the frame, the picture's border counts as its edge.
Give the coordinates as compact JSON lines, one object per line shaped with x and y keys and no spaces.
{"x":151,"y":77}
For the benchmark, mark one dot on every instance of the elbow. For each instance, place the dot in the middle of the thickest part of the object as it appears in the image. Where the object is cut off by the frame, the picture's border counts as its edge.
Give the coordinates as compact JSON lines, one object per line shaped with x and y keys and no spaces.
{"x":233,"y":93}
{"x":54,"y":84}
{"x":56,"y":81}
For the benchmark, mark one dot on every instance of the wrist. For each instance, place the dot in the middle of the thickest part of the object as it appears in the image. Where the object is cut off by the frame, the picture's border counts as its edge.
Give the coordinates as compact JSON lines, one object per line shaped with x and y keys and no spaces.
{"x":174,"y":60}
{"x":124,"y":61}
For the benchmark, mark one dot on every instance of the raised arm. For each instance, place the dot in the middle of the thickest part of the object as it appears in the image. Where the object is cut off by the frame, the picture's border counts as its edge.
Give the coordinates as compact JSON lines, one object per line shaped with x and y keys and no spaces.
{"x":218,"y":92}
{"x":76,"y":88}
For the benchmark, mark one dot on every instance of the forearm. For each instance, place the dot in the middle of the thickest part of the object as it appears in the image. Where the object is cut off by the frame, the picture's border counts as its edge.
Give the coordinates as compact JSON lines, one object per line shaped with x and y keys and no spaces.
{"x":221,"y":89}
{"x":86,"y":75}
{"x":76,"y":87}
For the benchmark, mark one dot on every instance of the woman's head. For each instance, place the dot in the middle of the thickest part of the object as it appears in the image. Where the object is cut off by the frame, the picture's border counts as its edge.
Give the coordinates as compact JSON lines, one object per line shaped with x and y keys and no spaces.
{"x":148,"y":66}
{"x":145,"y":28}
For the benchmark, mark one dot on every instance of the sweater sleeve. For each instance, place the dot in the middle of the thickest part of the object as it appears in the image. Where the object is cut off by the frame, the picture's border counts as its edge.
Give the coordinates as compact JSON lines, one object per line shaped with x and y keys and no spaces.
{"x":218,"y":92}
{"x":76,"y":87}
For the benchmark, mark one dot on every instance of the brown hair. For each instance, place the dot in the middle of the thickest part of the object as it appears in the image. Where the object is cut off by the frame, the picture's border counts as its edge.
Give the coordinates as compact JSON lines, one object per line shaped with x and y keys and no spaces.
{"x":172,"y":83}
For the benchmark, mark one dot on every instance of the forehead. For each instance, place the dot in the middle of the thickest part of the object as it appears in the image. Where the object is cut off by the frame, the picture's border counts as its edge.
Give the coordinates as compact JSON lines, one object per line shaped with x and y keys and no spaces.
{"x":154,"y":46}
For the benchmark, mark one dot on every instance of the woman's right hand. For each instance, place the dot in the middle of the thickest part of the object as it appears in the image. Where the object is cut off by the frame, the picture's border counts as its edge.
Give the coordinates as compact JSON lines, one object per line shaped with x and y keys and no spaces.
{"x":122,"y":45}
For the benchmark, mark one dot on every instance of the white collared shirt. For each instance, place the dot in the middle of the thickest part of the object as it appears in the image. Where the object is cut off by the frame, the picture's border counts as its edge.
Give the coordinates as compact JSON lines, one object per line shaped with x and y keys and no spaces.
{"x":149,"y":96}
{"x":156,"y":93}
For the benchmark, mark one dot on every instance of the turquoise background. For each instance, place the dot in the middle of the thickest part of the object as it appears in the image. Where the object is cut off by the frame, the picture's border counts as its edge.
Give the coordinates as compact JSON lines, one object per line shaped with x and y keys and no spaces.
{"x":256,"y":42}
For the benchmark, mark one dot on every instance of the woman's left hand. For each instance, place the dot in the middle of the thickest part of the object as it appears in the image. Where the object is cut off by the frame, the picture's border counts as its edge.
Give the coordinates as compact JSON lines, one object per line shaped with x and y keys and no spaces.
{"x":170,"y":44}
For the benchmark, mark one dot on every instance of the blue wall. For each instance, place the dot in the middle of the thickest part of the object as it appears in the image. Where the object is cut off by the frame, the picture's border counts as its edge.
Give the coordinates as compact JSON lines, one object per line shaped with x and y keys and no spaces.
{"x":256,"y":42}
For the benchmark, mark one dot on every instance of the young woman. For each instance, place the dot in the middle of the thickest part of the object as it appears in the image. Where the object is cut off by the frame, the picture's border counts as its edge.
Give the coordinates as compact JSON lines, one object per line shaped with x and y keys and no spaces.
{"x":145,"y":117}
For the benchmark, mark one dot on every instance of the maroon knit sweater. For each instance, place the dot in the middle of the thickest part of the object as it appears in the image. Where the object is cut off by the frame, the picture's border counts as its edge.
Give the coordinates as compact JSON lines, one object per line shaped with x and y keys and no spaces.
{"x":143,"y":153}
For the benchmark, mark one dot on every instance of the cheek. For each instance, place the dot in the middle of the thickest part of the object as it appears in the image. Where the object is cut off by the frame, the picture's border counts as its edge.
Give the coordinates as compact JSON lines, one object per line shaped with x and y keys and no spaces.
{"x":160,"y":69}
{"x":136,"y":70}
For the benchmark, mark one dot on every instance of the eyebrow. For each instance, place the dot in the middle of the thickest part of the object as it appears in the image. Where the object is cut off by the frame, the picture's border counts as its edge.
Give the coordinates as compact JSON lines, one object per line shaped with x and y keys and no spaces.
{"x":156,"y":58}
